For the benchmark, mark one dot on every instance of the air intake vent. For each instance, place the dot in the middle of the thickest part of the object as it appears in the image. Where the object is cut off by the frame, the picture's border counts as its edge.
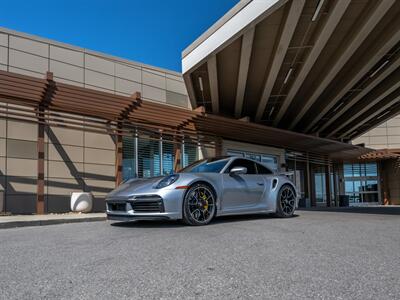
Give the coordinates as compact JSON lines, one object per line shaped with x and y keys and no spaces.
{"x":151,"y":203}
{"x":274,"y":183}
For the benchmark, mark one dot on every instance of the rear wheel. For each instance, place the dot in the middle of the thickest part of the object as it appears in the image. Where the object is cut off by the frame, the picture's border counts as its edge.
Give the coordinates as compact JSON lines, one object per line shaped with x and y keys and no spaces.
{"x":286,"y":202}
{"x":199,"y":205}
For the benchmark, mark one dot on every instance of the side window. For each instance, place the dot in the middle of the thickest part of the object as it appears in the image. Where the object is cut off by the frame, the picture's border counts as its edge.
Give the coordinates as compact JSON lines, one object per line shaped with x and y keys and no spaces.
{"x":251,"y":168}
{"x":263,"y":170}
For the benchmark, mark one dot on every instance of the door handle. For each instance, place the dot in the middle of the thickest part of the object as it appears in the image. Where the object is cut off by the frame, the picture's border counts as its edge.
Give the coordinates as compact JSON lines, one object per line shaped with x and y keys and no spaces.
{"x":260,"y":183}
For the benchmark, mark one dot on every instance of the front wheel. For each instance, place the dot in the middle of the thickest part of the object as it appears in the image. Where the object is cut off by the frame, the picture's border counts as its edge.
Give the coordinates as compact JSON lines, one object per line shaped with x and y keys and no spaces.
{"x":199,"y":205}
{"x":286,"y":202}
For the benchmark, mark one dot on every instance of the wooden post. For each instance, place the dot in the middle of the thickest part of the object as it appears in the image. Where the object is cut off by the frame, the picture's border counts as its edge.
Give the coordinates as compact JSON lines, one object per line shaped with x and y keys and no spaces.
{"x":177,"y":160}
{"x":44,"y":103}
{"x":218,"y":148}
{"x":118,"y":158}
{"x":40,"y":165}
{"x":178,"y":154}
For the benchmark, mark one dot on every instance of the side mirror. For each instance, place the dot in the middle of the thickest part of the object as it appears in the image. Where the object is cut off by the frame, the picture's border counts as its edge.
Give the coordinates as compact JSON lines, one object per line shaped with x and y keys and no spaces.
{"x":238,"y":171}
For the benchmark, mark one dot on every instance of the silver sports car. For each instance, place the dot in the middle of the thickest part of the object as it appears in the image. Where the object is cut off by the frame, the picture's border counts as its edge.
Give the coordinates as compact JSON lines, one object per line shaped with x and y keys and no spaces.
{"x":203,"y":190}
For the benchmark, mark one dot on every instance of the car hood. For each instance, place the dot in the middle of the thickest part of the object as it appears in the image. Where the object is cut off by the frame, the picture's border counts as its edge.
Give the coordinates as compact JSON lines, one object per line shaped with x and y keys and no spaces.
{"x":134,"y":186}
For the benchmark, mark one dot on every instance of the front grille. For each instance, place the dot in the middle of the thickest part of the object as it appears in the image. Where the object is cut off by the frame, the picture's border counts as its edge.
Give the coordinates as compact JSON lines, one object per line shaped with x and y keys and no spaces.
{"x":150,"y":203}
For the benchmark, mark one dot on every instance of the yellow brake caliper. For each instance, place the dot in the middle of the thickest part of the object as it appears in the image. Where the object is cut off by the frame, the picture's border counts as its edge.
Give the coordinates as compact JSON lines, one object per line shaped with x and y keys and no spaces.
{"x":204,"y":197}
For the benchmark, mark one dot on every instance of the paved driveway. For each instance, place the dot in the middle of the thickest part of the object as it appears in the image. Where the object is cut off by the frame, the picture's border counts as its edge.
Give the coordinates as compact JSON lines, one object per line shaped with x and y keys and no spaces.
{"x":329,"y":255}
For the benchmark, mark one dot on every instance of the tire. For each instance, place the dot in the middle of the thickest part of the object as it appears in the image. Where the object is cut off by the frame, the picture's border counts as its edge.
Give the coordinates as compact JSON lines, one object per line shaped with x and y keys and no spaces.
{"x":286,"y":202}
{"x":199,"y":205}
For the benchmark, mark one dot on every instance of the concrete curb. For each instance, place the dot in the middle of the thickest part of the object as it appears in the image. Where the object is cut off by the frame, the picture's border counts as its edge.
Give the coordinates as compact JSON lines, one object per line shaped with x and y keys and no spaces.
{"x":15,"y":224}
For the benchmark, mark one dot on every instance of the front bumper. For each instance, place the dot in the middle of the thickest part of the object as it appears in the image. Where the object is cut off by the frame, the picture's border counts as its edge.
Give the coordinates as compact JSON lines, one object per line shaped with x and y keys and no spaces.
{"x":165,"y":205}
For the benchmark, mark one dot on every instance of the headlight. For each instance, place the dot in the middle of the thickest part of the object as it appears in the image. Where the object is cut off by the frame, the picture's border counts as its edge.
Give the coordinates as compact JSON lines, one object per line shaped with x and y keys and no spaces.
{"x":167,"y":181}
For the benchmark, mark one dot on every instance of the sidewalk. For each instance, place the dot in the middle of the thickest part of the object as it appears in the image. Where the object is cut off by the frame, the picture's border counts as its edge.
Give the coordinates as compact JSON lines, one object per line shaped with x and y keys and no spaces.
{"x":50,"y":219}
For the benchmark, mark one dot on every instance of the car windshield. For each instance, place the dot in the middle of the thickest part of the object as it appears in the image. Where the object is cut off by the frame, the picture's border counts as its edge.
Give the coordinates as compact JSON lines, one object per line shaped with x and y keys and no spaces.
{"x":209,"y":165}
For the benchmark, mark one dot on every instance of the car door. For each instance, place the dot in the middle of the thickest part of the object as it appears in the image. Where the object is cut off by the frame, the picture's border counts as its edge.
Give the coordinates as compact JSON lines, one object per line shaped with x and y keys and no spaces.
{"x":242,"y":191}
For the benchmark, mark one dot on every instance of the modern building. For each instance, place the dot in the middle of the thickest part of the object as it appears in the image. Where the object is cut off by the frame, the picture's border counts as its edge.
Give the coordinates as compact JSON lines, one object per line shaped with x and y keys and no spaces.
{"x":302,"y":85}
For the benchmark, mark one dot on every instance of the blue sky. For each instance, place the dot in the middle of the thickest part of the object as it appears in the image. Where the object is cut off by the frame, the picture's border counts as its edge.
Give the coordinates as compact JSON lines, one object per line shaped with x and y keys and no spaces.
{"x":153,"y":32}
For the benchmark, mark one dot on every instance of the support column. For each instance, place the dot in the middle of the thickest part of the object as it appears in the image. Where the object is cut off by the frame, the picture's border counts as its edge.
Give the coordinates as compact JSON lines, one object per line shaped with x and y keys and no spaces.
{"x":218,"y":148}
{"x":44,"y":103}
{"x":309,"y":183}
{"x":177,"y":154}
{"x":118,"y":158}
{"x":40,"y":164}
{"x":136,"y":154}
{"x":160,"y":145}
{"x":328,"y":184}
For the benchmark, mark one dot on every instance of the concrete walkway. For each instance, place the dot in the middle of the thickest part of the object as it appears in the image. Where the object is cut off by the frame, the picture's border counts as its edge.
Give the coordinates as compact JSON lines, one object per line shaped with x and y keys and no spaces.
{"x":50,"y":219}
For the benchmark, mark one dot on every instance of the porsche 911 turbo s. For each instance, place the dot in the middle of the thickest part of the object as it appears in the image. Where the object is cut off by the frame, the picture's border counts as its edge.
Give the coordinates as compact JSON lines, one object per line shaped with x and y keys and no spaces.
{"x":203,"y":190}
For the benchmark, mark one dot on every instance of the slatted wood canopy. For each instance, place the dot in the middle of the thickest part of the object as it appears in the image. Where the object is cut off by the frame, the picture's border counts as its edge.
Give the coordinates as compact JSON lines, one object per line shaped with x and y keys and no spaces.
{"x":58,"y":104}
{"x":49,"y":103}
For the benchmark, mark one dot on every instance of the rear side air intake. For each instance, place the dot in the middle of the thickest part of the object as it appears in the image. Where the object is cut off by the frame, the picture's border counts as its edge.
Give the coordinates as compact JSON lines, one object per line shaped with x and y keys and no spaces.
{"x":274,"y":183}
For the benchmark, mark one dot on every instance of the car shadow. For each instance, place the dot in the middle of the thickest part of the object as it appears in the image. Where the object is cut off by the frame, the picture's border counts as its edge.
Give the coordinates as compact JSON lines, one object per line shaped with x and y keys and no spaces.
{"x":175,"y":224}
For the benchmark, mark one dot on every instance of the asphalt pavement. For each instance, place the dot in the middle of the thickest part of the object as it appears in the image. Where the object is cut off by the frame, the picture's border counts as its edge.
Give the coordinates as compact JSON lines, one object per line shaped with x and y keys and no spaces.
{"x":315,"y":255}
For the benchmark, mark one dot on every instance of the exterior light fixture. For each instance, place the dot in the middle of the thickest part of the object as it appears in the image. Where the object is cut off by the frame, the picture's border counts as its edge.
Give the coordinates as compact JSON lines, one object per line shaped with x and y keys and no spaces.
{"x":271,"y":111}
{"x":317,"y":10}
{"x":288,"y":75}
{"x":201,"y":83}
{"x":382,"y":115}
{"x":337,"y":107}
{"x":380,"y":68}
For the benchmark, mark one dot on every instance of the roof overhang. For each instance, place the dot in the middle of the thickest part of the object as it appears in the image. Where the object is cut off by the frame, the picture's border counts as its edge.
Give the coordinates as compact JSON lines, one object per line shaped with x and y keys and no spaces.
{"x":323,"y":67}
{"x":29,"y":99}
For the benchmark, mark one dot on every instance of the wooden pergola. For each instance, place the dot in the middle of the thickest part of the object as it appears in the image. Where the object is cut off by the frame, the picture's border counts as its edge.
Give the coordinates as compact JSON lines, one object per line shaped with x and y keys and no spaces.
{"x":50,"y":103}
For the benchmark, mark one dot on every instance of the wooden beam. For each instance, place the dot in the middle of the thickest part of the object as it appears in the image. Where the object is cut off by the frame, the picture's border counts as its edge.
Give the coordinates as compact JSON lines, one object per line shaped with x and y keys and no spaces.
{"x":367,"y":62}
{"x":333,"y":20}
{"x":362,"y":33}
{"x":293,"y":17}
{"x":245,"y":55}
{"x":190,"y":90}
{"x":213,"y":78}
{"x":366,"y":90}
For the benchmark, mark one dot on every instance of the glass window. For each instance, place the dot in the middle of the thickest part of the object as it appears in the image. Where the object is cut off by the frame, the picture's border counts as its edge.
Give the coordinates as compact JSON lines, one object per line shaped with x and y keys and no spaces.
{"x":263,"y":170}
{"x":371,"y":169}
{"x":128,"y":157}
{"x":168,"y":158}
{"x":210,"y":165}
{"x":372,"y":186}
{"x":361,"y":182}
{"x":253,"y":156}
{"x":320,"y":187}
{"x":348,"y":170}
{"x":349,"y":186}
{"x":357,"y":186}
{"x":148,"y":157}
{"x":235,"y":153}
{"x":190,"y":154}
{"x":250,"y":165}
{"x":270,"y":161}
